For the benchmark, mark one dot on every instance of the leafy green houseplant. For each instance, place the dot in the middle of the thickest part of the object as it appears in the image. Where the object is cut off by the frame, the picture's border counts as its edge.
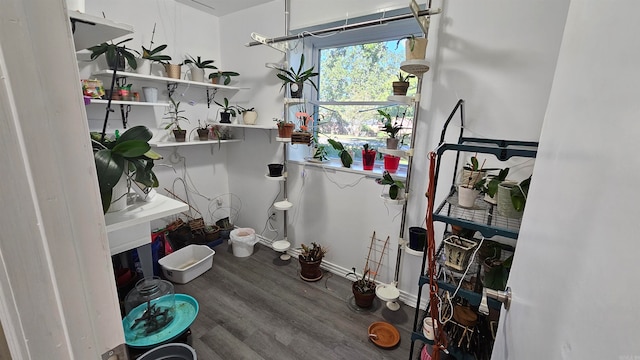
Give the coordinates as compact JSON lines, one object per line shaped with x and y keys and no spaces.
{"x":203,"y":131}
{"x":115,"y":54}
{"x":227,"y":111}
{"x":174,"y":115}
{"x":310,"y":259}
{"x":363,"y":288}
{"x":222,"y":77}
{"x":249,"y":115}
{"x":285,"y":128}
{"x":320,"y":153}
{"x":391,"y":127}
{"x":198,"y":67}
{"x":296,"y":78}
{"x":345,"y":157}
{"x":394,"y":185}
{"x":401,"y":86}
{"x":129,"y":155}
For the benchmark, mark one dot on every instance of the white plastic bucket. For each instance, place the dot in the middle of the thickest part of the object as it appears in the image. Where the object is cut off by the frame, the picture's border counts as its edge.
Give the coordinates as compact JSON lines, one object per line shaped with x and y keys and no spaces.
{"x":242,"y":241}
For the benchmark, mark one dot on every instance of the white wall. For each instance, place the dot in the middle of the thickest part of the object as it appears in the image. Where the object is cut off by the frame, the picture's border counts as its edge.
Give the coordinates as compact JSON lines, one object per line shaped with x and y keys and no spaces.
{"x":576,"y":238}
{"x":485,"y":52}
{"x":185,"y":31}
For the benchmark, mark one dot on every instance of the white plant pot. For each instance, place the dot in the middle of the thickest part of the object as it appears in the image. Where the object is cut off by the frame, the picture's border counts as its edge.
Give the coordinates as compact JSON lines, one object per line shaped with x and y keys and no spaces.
{"x":419,"y":49}
{"x":467,"y":196}
{"x":144,"y":66}
{"x":250,"y":117}
{"x":119,"y":195}
{"x":196,"y":74}
{"x":505,"y":206}
{"x":150,"y":94}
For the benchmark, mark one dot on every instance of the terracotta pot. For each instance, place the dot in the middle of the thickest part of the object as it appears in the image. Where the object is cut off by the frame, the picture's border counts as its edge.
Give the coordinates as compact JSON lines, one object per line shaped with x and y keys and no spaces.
{"x":285,"y":130}
{"x":310,"y":270}
{"x":400,"y":88}
{"x":363,"y":300}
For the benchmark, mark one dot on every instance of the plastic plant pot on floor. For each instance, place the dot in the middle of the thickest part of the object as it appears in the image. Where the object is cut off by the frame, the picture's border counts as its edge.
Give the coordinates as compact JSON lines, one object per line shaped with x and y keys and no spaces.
{"x":175,"y":351}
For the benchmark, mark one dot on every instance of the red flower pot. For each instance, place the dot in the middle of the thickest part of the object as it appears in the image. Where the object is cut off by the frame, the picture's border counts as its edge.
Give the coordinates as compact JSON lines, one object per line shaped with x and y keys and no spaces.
{"x":368,"y":159}
{"x":391,"y":163}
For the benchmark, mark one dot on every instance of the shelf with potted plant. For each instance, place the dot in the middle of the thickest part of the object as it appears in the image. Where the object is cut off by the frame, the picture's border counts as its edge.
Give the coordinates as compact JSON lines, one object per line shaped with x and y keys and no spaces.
{"x":123,"y":102}
{"x":166,"y":80}
{"x":89,"y":30}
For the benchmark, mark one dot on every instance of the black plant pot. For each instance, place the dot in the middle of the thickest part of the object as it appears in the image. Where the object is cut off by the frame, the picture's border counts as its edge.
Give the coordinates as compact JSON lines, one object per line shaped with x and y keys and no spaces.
{"x":225,"y":117}
{"x":275,"y":170}
{"x":111,"y":62}
{"x":296,"y":90}
{"x":417,"y":238}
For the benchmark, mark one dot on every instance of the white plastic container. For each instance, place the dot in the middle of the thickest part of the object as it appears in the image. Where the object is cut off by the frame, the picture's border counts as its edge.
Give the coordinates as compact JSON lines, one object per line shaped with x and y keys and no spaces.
{"x":187,"y":263}
{"x":242,"y":241}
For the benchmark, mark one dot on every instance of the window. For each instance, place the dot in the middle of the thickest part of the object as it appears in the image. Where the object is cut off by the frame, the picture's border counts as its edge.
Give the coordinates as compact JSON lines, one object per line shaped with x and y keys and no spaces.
{"x":354,"y":82}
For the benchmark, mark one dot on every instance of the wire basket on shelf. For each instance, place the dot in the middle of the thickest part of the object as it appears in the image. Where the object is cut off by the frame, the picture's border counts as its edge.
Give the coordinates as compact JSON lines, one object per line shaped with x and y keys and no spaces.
{"x":458,"y":251}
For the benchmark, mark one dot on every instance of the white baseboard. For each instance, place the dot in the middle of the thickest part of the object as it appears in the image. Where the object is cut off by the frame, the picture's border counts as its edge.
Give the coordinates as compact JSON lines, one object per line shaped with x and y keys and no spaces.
{"x":405,"y":297}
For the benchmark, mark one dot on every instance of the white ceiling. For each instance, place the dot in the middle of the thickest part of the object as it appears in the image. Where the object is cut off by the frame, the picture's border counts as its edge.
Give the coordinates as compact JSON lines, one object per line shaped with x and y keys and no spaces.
{"x":222,"y":7}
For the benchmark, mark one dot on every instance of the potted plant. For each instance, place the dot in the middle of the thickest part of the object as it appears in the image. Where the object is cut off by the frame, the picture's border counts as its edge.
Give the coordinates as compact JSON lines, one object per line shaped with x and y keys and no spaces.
{"x":396,"y":187}
{"x":302,"y":135}
{"x":249,"y":116}
{"x":401,"y":86}
{"x":173,"y":115}
{"x":363,"y":288}
{"x":285,"y":128}
{"x":368,"y":157}
{"x":310,"y":259}
{"x":320,"y":153}
{"x":345,"y":157}
{"x":128,"y":156}
{"x":203,"y":131}
{"x":489,"y":185}
{"x":391,"y":127}
{"x":197,"y":70}
{"x":415,"y":47}
{"x":115,"y":54}
{"x":473,"y":172}
{"x":296,"y":79}
{"x":222,"y":77}
{"x":227,"y":111}
{"x":151,"y":55}
{"x":512,"y":197}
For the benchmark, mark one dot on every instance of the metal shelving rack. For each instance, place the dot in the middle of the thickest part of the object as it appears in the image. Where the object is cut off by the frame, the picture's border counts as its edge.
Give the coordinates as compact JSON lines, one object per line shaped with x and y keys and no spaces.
{"x":483,"y":217}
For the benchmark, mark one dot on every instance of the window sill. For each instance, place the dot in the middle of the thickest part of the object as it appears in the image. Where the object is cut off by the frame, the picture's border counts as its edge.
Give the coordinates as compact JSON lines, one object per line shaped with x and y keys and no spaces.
{"x":356,"y":168}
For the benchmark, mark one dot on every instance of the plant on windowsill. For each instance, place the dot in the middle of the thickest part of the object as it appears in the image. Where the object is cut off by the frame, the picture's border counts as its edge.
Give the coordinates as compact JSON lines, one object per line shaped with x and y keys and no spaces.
{"x":396,"y":187}
{"x":401,"y":86}
{"x":128,"y":158}
{"x":198,"y":67}
{"x":227,"y":111}
{"x":222,"y":77}
{"x":302,"y":135}
{"x":174,"y":116}
{"x":115,"y":54}
{"x":310,"y":259}
{"x":363,"y":288}
{"x":345,"y":157}
{"x":296,"y":79}
{"x":368,"y":157}
{"x":320,"y":153}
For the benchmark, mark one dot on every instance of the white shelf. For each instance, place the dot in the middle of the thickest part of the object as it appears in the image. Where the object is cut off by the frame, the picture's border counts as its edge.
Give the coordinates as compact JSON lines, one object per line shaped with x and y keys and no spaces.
{"x":132,"y":103}
{"x":190,"y":143}
{"x":284,"y":140}
{"x":165,"y":79}
{"x":256,"y":126}
{"x":391,"y":201}
{"x":415,"y":67}
{"x":401,"y":99}
{"x":142,"y":212}
{"x":283,"y":205}
{"x":396,"y":152}
{"x":274,"y":178}
{"x":93,"y":30}
{"x":292,"y":101}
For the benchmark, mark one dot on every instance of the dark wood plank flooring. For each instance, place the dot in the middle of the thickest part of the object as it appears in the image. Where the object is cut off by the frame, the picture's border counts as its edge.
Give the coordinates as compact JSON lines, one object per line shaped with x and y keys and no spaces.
{"x":258,"y":308}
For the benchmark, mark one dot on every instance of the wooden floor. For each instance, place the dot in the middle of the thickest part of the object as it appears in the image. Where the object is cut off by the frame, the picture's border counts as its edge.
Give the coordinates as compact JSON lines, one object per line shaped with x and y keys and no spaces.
{"x":258,"y":308}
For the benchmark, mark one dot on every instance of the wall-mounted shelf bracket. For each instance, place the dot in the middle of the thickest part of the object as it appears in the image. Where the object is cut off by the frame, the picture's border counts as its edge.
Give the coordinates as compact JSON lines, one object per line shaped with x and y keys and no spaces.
{"x":423,"y":21}
{"x":171,"y":88}
{"x":282,"y":47}
{"x":210,"y":96}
